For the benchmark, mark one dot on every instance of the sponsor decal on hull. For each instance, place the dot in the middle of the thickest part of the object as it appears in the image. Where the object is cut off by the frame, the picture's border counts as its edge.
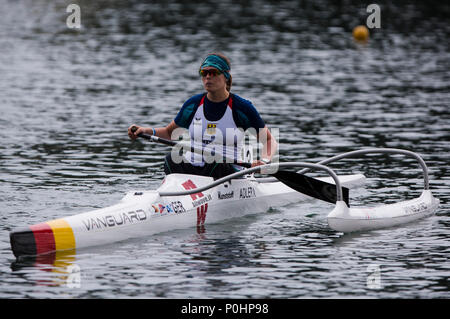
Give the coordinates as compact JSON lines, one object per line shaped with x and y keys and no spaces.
{"x":415,"y":208}
{"x":173,"y":207}
{"x":201,"y":214}
{"x":197,"y":198}
{"x":247,"y":192}
{"x":227,"y":195}
{"x":202,"y":200}
{"x":178,"y":207}
{"x":114,"y":220}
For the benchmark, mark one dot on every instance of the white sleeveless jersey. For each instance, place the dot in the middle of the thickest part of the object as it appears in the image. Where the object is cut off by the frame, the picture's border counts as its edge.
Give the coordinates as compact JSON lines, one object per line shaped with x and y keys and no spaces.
{"x":217,"y":139}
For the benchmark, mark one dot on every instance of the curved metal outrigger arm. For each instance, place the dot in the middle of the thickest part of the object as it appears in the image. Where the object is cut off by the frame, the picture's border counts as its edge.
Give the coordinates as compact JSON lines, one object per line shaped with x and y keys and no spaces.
{"x":381,"y":151}
{"x":269,"y":167}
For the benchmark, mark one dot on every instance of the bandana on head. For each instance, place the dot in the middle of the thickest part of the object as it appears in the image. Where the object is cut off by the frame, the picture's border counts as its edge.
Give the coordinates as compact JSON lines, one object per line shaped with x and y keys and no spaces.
{"x":217,"y":62}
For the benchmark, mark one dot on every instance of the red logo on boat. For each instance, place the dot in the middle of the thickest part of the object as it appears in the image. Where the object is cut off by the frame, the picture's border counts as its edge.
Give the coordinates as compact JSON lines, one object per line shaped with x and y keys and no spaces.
{"x":203,"y":208}
{"x":201,"y":214}
{"x":190,"y":185}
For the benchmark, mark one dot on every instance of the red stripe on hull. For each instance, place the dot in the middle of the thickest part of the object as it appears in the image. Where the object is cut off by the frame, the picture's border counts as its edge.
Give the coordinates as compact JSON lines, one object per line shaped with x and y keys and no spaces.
{"x":44,"y":238}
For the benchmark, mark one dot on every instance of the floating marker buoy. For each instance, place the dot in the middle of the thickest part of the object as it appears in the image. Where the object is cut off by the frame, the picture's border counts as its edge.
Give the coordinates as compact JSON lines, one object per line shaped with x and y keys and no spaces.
{"x":360,"y":33}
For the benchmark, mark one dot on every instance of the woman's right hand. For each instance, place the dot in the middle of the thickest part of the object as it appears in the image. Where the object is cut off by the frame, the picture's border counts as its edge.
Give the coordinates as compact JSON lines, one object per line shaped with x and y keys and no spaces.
{"x":134,"y":130}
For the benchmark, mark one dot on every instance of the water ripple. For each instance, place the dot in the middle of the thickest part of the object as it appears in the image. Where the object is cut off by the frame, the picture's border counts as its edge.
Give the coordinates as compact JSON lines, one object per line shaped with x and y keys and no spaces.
{"x":69,"y":96}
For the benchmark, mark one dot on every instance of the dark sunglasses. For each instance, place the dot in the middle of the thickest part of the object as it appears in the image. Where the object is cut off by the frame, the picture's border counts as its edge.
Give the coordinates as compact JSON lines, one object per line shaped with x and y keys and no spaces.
{"x":213,"y":72}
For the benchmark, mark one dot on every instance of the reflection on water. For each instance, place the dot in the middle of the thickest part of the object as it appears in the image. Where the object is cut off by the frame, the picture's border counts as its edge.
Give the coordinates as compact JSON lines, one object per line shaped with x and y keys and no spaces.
{"x":54,"y":269}
{"x":68,"y":96}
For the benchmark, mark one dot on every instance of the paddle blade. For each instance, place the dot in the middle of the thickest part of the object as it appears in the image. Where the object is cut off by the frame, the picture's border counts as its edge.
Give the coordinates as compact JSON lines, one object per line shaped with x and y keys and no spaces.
{"x":311,"y":186}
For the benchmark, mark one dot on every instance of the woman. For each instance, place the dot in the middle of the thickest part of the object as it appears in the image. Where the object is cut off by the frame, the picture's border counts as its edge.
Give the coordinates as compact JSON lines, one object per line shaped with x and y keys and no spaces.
{"x":215,"y":118}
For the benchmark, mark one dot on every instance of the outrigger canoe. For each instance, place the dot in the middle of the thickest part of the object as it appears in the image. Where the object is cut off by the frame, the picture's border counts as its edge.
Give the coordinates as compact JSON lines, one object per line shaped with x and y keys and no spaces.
{"x":184,"y":201}
{"x":143,"y":213}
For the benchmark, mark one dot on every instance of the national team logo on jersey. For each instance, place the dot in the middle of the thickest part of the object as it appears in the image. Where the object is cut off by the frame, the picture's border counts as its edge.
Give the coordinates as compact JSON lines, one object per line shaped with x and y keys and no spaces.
{"x":211,"y":129}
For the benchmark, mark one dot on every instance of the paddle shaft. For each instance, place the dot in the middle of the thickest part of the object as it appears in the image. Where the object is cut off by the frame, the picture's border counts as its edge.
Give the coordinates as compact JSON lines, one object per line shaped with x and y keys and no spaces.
{"x":300,"y":182}
{"x":164,"y":141}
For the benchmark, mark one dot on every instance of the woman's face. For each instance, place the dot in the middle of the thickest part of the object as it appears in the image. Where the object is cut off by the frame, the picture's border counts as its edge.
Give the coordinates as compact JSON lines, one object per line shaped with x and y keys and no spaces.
{"x":214,"y":83}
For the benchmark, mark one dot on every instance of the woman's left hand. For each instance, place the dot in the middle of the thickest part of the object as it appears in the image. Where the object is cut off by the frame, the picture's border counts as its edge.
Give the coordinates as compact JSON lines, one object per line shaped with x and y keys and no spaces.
{"x":257,"y":163}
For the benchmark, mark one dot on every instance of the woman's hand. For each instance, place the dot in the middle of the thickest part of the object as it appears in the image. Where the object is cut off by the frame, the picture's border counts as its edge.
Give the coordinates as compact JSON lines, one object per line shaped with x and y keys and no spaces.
{"x":134,"y":130}
{"x":258,"y":163}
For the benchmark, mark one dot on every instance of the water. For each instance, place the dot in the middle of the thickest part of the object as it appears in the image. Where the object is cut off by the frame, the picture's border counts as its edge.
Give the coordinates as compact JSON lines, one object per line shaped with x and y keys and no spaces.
{"x":68,"y":96}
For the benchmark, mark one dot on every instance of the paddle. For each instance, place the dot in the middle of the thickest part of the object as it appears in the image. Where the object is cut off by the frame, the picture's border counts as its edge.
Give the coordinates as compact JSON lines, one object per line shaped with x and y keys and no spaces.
{"x":301,"y":183}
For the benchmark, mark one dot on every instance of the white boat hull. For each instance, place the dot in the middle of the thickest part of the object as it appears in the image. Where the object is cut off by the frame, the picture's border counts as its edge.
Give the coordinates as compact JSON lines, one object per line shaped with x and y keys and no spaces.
{"x":145,"y":213}
{"x":355,"y":219}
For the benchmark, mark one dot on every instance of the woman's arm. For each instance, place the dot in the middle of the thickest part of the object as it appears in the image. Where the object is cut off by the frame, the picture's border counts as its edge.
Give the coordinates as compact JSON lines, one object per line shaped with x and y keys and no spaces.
{"x":270,"y":146}
{"x":164,"y":132}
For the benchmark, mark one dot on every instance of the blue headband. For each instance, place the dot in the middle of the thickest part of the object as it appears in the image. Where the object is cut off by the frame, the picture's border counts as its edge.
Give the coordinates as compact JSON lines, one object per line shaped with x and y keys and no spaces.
{"x":217,"y":62}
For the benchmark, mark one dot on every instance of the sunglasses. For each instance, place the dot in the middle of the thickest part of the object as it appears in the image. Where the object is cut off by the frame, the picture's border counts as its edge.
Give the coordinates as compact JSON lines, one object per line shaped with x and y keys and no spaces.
{"x":213,"y":72}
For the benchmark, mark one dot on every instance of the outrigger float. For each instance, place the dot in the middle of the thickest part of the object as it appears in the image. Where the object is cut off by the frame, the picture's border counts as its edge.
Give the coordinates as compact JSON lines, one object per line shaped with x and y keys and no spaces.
{"x":184,"y":201}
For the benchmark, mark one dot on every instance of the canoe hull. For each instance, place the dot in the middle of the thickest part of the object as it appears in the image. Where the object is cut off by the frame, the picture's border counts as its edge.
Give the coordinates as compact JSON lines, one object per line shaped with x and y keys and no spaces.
{"x":356,"y":219}
{"x":144,"y":213}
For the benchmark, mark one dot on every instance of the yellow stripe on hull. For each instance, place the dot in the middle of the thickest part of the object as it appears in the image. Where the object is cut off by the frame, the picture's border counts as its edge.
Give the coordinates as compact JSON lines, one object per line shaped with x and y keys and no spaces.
{"x":63,"y":233}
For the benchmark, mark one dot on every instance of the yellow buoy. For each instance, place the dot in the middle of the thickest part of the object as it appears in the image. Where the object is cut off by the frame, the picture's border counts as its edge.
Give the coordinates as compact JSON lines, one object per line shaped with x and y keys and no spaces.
{"x":360,"y":33}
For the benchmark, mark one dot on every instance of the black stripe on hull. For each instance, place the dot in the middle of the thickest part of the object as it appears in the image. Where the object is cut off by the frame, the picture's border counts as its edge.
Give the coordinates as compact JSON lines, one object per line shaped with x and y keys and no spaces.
{"x":23,"y":242}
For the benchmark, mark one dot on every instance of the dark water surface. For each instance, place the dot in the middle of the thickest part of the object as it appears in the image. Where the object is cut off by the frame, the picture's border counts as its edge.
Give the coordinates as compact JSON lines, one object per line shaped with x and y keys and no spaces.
{"x":67,"y":97}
